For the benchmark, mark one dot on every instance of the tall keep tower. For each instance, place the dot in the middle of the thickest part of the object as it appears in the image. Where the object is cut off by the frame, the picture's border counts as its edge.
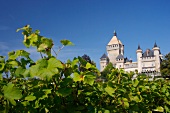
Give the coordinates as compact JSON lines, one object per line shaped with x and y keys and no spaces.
{"x":114,"y":48}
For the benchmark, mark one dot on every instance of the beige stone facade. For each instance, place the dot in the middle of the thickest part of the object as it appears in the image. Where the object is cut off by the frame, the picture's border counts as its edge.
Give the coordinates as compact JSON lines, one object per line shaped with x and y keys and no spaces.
{"x":147,"y":62}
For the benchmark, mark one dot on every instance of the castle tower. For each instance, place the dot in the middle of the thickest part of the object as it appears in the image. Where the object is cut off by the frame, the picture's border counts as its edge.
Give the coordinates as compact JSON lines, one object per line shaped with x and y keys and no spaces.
{"x":139,"y":58}
{"x":104,"y":60}
{"x":156,"y":51}
{"x":114,"y":48}
{"x":120,"y":61}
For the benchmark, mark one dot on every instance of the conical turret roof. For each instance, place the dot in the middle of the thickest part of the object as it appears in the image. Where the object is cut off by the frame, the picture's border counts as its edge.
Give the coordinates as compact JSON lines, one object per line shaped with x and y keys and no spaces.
{"x":104,"y":56}
{"x":139,"y":46}
{"x":155,"y":45}
{"x":114,"y":39}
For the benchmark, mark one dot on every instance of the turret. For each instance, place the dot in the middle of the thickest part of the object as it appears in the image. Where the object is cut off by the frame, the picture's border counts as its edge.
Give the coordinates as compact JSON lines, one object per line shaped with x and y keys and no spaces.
{"x":139,"y":58}
{"x":120,"y":61}
{"x":156,"y":51}
{"x":104,"y":60}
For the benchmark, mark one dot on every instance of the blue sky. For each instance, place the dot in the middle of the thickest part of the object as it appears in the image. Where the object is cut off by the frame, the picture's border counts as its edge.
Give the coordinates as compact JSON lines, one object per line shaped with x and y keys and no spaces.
{"x":89,"y":24}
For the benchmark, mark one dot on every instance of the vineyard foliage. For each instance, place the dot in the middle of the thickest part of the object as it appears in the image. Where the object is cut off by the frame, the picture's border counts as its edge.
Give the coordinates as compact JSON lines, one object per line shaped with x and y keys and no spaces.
{"x":48,"y":85}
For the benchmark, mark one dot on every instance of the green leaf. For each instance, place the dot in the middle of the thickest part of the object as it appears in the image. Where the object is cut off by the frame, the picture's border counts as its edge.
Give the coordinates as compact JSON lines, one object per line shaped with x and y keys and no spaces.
{"x":47,"y":91}
{"x":23,"y":28}
{"x":77,"y":77}
{"x":126,"y":105}
{"x":37,"y":32}
{"x":135,"y":98}
{"x":13,"y":55}
{"x":11,"y":93}
{"x":13,"y":63}
{"x":160,"y":109}
{"x":30,"y":98}
{"x":110,"y":90}
{"x":89,"y":79}
{"x":135,"y":82}
{"x":2,"y":59}
{"x":46,"y":44}
{"x":66,"y":42}
{"x":65,"y":91}
{"x":42,"y":63}
{"x":53,"y":65}
{"x":24,"y":53}
{"x":45,"y":74}
{"x":34,"y":70}
{"x":42,"y":47}
{"x":19,"y":71}
{"x":2,"y":66}
{"x":26,"y":73}
{"x":88,"y":65}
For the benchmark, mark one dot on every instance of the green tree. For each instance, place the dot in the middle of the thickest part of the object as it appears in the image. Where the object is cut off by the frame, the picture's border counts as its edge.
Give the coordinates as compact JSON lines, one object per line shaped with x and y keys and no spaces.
{"x":107,"y":70}
{"x":165,"y":65}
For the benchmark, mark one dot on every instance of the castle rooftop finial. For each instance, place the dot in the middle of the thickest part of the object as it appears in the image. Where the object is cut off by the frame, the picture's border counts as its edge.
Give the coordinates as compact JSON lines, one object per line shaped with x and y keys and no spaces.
{"x":115,"y":34}
{"x":139,"y":46}
{"x":155,"y":45}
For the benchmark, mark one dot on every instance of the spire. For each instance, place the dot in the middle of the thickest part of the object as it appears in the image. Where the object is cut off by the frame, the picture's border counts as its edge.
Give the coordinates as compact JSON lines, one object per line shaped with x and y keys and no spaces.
{"x":139,"y":46}
{"x":115,"y":34}
{"x":155,"y":45}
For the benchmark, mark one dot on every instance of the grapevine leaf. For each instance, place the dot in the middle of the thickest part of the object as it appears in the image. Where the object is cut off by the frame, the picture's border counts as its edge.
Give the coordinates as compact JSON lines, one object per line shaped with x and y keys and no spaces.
{"x":54,"y":63}
{"x":33,"y":39}
{"x":159,"y":109}
{"x":126,"y":105}
{"x":11,"y":93}
{"x":45,"y":74}
{"x":13,"y":63}
{"x":27,"y":42}
{"x":110,"y":90}
{"x":64,"y":91}
{"x":19,"y":71}
{"x":24,"y":53}
{"x":37,"y":32}
{"x":30,"y":98}
{"x":34,"y":70}
{"x":89,"y":79}
{"x":2,"y":59}
{"x":13,"y":55}
{"x":42,"y":63}
{"x":136,"y":98}
{"x":2,"y":66}
{"x":66,"y":42}
{"x":42,"y":47}
{"x":135,"y":82}
{"x":77,"y":77}
{"x":88,"y":65}
{"x":23,"y":28}
{"x":26,"y":73}
{"x":47,"y":91}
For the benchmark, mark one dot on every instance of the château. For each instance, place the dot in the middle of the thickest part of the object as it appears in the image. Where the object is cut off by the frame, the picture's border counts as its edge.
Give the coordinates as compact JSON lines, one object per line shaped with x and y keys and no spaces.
{"x":147,"y":61}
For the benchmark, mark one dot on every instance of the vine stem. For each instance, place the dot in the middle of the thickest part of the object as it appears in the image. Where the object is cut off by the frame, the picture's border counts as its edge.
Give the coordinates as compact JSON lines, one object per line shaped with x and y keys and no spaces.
{"x":41,"y":55}
{"x":56,"y":53}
